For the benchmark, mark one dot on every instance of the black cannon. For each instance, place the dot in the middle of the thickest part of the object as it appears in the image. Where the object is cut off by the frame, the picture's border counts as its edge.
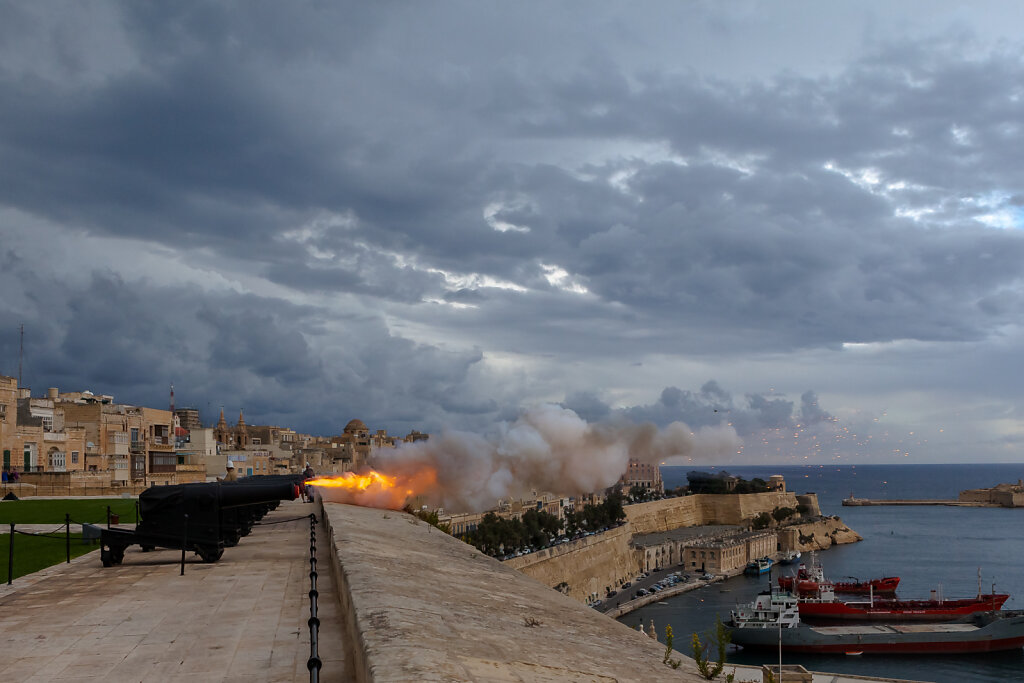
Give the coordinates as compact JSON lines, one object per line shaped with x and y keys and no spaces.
{"x":204,"y":518}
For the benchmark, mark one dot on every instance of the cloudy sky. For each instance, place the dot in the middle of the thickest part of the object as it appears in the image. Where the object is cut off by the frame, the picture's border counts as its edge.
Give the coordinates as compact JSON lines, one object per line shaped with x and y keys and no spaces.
{"x":798,"y":219}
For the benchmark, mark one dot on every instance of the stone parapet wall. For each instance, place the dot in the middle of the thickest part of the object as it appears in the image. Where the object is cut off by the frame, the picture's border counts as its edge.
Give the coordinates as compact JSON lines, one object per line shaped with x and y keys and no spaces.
{"x":421,"y":605}
{"x":588,"y":566}
{"x":84,"y":488}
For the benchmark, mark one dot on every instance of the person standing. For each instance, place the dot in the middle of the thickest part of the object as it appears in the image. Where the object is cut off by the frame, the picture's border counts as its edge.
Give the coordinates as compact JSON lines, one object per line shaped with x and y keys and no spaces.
{"x":230,"y":475}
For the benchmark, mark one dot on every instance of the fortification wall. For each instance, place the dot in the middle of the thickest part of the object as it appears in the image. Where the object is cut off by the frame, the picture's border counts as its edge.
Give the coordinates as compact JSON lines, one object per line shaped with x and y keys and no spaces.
{"x":420,"y":605}
{"x":589,"y":565}
{"x":672,"y":513}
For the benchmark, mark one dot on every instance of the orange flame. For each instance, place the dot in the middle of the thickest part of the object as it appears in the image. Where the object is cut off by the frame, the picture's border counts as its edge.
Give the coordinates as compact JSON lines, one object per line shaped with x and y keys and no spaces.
{"x":371,"y":488}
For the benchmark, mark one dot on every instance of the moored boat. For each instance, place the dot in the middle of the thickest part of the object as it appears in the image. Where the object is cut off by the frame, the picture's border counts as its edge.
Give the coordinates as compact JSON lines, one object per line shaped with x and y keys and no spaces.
{"x":979,"y":632}
{"x":758,"y":567}
{"x":789,"y":557}
{"x":891,"y":610}
{"x":773,"y":621}
{"x":809,"y":578}
{"x":886,"y":584}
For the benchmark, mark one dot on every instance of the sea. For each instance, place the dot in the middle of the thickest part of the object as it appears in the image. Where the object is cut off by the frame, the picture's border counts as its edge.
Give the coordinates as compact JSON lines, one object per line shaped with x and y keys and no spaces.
{"x":929,"y":547}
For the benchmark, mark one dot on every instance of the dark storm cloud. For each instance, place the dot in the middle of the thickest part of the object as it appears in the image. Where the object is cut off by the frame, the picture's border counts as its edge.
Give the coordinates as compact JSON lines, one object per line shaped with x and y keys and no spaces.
{"x":243,"y":351}
{"x":198,"y":145}
{"x":712,"y":405}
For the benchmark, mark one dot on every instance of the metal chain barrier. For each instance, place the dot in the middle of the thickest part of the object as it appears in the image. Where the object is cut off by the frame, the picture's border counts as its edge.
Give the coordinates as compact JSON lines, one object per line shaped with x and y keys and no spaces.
{"x":313,"y":663}
{"x":64,"y":531}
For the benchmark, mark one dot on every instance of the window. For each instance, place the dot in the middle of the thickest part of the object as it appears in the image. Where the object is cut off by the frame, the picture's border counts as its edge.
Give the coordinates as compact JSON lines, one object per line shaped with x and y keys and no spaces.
{"x":47,"y":423}
{"x":74,"y":457}
{"x":3,"y":411}
{"x":57,"y":461}
{"x":256,"y":442}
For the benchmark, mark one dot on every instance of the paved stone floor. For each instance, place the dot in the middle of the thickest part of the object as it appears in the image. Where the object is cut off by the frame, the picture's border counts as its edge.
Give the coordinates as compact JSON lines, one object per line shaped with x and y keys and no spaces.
{"x":242,"y":618}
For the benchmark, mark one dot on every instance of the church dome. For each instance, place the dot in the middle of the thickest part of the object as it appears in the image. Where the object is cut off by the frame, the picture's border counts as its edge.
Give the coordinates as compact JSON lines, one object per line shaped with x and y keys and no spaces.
{"x":355,"y":426}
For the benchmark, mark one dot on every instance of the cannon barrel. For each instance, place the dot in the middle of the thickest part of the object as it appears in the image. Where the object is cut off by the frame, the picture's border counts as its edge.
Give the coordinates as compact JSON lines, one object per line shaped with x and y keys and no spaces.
{"x":243,"y":492}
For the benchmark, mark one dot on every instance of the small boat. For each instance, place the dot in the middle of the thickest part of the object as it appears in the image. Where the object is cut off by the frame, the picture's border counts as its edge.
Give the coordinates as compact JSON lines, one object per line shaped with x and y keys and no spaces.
{"x":773,"y":621}
{"x":789,"y":557}
{"x":758,"y":567}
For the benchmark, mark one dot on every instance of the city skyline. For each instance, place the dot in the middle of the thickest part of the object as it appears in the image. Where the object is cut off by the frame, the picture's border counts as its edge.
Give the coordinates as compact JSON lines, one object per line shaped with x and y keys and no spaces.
{"x":797,"y":222}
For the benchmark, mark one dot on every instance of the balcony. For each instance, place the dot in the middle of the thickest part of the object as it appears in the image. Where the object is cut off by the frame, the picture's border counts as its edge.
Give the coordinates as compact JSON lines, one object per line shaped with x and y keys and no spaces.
{"x":55,"y":436}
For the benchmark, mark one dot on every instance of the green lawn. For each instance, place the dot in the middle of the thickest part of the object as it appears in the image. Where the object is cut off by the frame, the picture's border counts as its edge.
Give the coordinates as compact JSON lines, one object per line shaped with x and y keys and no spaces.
{"x":89,"y":510}
{"x":32,"y":553}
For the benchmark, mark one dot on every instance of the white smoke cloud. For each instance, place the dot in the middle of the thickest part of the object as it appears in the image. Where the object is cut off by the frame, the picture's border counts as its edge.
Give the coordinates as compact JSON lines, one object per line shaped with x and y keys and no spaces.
{"x":548,"y":448}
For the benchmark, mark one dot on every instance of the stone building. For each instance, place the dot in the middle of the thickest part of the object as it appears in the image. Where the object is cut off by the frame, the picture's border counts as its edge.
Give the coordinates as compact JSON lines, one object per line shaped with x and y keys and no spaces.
{"x":716,"y":549}
{"x":188,"y":418}
{"x":235,"y":438}
{"x":644,"y":475}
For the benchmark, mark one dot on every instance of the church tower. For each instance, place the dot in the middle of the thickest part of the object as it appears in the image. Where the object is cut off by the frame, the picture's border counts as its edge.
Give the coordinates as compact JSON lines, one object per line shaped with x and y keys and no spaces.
{"x":222,"y":433}
{"x":241,"y":432}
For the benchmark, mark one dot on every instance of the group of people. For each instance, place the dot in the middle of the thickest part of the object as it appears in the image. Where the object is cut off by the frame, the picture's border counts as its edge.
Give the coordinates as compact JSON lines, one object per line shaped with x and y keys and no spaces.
{"x":12,"y":476}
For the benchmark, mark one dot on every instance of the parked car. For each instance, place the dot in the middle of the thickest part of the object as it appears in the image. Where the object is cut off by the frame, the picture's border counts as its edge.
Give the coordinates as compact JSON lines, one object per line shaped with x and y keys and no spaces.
{"x":627,"y":584}
{"x":640,"y":593}
{"x":612,"y":594}
{"x":708,"y":577}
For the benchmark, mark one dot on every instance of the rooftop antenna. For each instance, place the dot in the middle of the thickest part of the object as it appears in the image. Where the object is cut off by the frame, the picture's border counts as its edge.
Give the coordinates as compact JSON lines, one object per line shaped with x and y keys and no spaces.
{"x":21,"y":352}
{"x":172,"y":398}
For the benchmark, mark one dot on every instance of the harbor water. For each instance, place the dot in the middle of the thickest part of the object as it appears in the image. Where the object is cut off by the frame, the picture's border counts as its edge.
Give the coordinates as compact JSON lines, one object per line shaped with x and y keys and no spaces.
{"x":929,"y":547}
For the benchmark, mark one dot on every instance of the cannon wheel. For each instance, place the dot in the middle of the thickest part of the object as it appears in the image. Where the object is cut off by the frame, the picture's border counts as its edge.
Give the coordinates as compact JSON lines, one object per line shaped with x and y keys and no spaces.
{"x":106,"y":557}
{"x":208,"y":554}
{"x":117,"y":555}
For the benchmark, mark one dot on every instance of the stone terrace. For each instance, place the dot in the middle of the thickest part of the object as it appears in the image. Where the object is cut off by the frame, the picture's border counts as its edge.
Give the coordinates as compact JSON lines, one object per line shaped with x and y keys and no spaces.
{"x":240,"y":619}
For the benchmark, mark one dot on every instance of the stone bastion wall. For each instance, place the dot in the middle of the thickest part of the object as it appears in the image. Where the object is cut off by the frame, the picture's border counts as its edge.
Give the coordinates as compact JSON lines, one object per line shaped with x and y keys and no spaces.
{"x":672,"y":513}
{"x":586,"y":566}
{"x":592,"y":564}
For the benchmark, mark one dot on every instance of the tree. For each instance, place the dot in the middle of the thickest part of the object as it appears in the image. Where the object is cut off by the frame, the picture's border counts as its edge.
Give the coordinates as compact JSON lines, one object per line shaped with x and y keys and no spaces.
{"x":781,"y":513}
{"x":762,"y":520}
{"x":721,"y":639}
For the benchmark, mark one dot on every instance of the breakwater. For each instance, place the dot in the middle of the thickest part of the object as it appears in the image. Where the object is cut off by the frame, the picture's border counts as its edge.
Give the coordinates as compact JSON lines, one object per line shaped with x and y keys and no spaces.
{"x":865,"y":502}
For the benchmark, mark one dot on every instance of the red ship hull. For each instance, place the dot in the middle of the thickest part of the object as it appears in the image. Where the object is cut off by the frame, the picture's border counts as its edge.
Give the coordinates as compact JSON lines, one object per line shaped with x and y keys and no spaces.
{"x":884,"y":585}
{"x":901,"y":610}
